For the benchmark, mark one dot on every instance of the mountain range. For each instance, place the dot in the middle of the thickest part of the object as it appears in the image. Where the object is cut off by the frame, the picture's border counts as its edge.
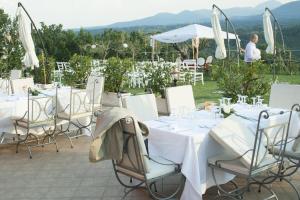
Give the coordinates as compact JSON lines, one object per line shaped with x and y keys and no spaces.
{"x":287,"y":13}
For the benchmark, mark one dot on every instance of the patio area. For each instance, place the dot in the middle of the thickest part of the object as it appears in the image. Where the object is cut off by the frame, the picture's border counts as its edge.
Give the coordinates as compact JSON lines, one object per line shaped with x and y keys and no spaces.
{"x":68,"y":174}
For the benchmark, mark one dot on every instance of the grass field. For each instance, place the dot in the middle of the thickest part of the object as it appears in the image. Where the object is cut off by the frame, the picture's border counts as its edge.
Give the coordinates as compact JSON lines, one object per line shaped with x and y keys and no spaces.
{"x":209,"y":91}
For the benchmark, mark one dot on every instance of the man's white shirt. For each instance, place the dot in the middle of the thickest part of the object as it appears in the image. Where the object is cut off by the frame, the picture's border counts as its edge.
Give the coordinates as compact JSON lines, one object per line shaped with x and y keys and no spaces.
{"x":251,"y":52}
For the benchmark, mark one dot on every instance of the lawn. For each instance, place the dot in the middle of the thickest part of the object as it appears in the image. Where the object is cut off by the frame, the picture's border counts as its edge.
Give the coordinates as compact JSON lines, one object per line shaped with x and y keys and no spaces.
{"x":209,"y":91}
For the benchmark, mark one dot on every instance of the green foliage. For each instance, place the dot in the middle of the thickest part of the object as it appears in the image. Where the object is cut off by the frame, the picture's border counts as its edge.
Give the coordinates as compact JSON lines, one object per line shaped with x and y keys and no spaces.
{"x":246,"y":79}
{"x":80,"y":70}
{"x":115,"y":74}
{"x":11,"y":51}
{"x":159,"y":77}
{"x":46,"y":68}
{"x":59,"y":43}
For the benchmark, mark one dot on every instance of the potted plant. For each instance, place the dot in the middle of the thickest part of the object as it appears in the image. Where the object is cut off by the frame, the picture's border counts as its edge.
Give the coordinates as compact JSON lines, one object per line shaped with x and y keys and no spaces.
{"x":43,"y":76}
{"x":115,"y":78}
{"x":80,"y":69}
{"x":159,"y":79}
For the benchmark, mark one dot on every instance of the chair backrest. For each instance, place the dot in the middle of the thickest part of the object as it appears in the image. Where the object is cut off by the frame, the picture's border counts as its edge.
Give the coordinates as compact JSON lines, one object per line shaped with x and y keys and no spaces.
{"x":200,"y":61}
{"x":20,"y":86}
{"x":134,"y":161}
{"x":76,"y":102}
{"x":189,"y":62}
{"x":37,"y":110}
{"x":94,"y":89}
{"x":4,"y":86}
{"x":250,"y":145}
{"x":60,"y":66}
{"x":209,"y":60}
{"x":284,"y":95}
{"x":41,"y":108}
{"x":180,"y":97}
{"x":143,"y":106}
{"x":15,"y":74}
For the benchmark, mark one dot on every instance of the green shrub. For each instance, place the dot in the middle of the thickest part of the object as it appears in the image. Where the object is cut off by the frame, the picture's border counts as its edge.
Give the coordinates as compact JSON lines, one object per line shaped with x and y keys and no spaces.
{"x":245,"y":79}
{"x":115,"y":74}
{"x":80,"y":70}
{"x":159,"y":78}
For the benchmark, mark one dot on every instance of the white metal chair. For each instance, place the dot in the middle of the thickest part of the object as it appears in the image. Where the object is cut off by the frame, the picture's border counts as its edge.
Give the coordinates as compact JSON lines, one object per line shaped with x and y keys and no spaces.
{"x":291,"y":154}
{"x":138,"y":165}
{"x":247,"y":151}
{"x":180,"y":97}
{"x":37,"y":126}
{"x":21,"y":86}
{"x":284,"y":95}
{"x":15,"y":74}
{"x":143,"y":106}
{"x":78,"y":111}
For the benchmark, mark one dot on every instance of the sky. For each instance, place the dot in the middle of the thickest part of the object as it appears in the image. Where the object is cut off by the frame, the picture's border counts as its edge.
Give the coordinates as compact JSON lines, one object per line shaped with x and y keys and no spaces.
{"x":86,"y":13}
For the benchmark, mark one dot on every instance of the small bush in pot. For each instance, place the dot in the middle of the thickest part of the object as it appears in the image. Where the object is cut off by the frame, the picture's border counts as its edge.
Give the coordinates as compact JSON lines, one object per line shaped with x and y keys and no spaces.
{"x":115,"y":74}
{"x":159,"y":78}
{"x":80,"y":69}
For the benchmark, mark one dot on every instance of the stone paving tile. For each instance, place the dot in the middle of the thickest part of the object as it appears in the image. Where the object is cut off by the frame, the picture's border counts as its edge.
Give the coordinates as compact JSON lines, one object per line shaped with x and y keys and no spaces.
{"x":68,"y":175}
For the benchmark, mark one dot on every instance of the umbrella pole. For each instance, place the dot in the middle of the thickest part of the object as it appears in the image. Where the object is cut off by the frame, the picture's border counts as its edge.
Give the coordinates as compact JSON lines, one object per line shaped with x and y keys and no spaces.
{"x":44,"y":67}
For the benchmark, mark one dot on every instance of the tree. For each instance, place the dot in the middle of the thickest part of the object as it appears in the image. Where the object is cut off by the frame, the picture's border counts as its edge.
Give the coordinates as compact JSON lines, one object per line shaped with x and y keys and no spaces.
{"x":11,"y":51}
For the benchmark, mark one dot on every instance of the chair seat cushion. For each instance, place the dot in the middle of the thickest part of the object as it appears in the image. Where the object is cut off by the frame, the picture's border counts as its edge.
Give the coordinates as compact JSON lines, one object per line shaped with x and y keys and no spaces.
{"x":229,"y":163}
{"x":159,"y":167}
{"x":292,"y":150}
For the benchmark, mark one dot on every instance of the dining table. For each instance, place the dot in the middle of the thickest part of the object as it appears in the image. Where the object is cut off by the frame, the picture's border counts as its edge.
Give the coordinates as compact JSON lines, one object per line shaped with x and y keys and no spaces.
{"x":186,"y":140}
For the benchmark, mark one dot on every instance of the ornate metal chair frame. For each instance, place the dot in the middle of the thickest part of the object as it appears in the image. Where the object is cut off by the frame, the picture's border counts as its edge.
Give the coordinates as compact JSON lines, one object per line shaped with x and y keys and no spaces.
{"x":137,"y":170}
{"x":29,"y":122}
{"x":292,"y":158}
{"x":259,"y":174}
{"x":73,"y":117}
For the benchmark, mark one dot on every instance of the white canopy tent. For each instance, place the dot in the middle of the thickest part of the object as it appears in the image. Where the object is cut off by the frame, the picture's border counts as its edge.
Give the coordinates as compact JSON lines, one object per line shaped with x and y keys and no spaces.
{"x":192,"y":32}
{"x":24,"y":27}
{"x":187,"y":33}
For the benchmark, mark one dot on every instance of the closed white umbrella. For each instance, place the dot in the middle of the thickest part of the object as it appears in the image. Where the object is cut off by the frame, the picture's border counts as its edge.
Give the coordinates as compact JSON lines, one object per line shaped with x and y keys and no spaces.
{"x":218,"y":35}
{"x":24,"y":28}
{"x":268,"y":32}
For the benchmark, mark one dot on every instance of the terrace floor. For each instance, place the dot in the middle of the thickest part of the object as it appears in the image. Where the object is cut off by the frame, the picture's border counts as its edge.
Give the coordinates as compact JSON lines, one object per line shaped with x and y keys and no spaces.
{"x":68,"y":175}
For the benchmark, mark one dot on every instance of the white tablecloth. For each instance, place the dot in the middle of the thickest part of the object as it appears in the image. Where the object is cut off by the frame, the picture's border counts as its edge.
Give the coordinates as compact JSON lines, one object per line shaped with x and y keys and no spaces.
{"x":187,"y":141}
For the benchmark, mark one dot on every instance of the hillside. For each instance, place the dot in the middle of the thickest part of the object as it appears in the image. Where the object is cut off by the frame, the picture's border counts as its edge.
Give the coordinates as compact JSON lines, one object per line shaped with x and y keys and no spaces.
{"x":189,"y":17}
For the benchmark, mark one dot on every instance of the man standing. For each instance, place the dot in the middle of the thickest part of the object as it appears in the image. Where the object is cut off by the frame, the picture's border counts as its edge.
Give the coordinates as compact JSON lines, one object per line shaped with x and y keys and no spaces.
{"x":251,"y":52}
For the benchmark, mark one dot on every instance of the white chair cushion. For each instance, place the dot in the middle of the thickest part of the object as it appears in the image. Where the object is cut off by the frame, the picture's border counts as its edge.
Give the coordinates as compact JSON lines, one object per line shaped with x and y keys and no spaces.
{"x":284,"y":96}
{"x":157,"y":170}
{"x":237,"y":166}
{"x":181,"y":96}
{"x":143,"y":106}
